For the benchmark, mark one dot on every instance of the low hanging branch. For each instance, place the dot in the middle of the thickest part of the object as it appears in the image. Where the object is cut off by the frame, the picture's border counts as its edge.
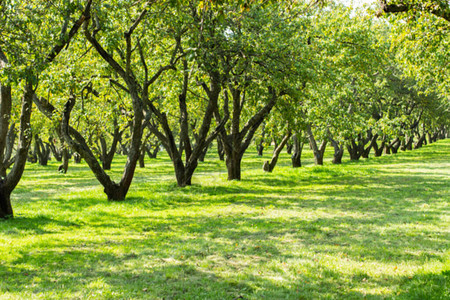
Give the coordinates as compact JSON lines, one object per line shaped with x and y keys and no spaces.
{"x":438,"y":8}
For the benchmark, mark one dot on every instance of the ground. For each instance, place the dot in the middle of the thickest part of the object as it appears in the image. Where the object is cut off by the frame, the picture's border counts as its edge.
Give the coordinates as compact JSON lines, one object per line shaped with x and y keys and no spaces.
{"x":375,"y":229}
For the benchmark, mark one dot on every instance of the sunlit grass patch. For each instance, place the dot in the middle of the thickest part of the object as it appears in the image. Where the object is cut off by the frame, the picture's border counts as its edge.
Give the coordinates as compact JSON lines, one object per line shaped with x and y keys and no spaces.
{"x":376,"y":229}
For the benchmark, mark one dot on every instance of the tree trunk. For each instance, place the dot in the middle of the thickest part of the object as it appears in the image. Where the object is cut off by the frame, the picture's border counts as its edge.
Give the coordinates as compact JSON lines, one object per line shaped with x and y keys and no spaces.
{"x":234,"y":167}
{"x":7,"y":161}
{"x":289,"y":147}
{"x":435,"y":136}
{"x":408,"y":144}
{"x":420,"y":142}
{"x":269,"y":166}
{"x":296,"y":157}
{"x":372,"y":139}
{"x":6,"y":210}
{"x":65,"y":161}
{"x":8,"y":184}
{"x":317,"y":151}
{"x":203,"y":155}
{"x":115,"y":192}
{"x":142,"y":157}
{"x":378,"y":151}
{"x":354,"y":150}
{"x":220,"y":150}
{"x":42,"y":151}
{"x":77,"y":158}
{"x":237,"y":142}
{"x":152,"y":149}
{"x":260,"y":148}
{"x":338,"y":152}
{"x":396,"y":146}
{"x":57,"y":154}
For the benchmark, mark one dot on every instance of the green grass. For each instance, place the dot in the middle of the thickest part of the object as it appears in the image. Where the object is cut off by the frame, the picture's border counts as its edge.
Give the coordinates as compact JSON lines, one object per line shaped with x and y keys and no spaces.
{"x":373,"y":229}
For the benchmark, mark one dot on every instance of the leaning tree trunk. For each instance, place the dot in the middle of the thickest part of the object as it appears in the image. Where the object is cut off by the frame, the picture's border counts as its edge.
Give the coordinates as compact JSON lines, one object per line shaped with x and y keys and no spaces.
{"x":420,"y":142}
{"x":395,"y":146}
{"x":366,"y":151}
{"x":269,"y":166}
{"x":260,"y":145}
{"x":57,"y":154}
{"x":409,"y":143}
{"x":203,"y":155}
{"x":317,"y":151}
{"x":378,"y":150}
{"x":8,"y":184}
{"x":152,"y":153}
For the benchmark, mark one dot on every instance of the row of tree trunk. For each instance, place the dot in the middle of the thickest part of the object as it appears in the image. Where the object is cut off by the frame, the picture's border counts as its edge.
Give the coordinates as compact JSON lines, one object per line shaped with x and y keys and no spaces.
{"x":358,"y":147}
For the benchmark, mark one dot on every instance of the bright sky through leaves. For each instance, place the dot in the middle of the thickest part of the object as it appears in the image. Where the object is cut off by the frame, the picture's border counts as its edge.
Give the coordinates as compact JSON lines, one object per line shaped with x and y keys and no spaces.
{"x":357,"y":3}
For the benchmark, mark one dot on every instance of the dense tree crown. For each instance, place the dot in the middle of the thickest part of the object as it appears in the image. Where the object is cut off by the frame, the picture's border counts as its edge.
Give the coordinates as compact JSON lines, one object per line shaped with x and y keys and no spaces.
{"x":91,"y":79}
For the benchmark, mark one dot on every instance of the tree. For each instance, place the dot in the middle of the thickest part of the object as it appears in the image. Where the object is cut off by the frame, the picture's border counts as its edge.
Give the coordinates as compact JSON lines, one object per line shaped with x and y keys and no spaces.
{"x":25,"y":39}
{"x":253,"y":78}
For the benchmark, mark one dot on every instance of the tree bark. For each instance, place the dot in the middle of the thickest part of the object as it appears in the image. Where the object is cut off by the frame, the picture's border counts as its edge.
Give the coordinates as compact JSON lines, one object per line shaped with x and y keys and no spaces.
{"x":65,"y":161}
{"x":11,"y":180}
{"x":296,"y":157}
{"x":395,"y":145}
{"x":57,"y":153}
{"x":7,"y":161}
{"x":260,"y":145}
{"x":8,"y":184}
{"x":220,"y":150}
{"x":6,"y":210}
{"x":142,"y":157}
{"x":192,"y":152}
{"x":354,"y":150}
{"x":289,"y":147}
{"x":338,"y":151}
{"x":378,"y":150}
{"x":317,"y":151}
{"x":152,"y":150}
{"x":269,"y":166}
{"x":203,"y":155}
{"x":107,"y":155}
{"x":237,"y":141}
{"x":422,"y":139}
{"x":42,"y":151}
{"x":371,"y":138}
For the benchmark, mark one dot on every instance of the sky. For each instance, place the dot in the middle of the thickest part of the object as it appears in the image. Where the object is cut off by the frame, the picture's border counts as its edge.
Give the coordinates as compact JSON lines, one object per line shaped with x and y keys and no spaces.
{"x":357,"y":3}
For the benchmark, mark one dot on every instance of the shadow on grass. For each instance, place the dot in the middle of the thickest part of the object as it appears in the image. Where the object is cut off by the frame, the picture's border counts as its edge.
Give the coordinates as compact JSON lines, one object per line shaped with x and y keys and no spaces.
{"x":272,"y":236}
{"x":97,"y":270}
{"x":20,"y":225}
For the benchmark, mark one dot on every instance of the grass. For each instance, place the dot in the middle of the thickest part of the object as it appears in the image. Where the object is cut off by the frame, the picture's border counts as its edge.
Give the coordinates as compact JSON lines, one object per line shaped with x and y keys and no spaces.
{"x":373,"y":229}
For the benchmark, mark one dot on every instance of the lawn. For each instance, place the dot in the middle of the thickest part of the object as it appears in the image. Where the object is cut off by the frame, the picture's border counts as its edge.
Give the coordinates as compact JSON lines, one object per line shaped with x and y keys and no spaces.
{"x":374,"y":229}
